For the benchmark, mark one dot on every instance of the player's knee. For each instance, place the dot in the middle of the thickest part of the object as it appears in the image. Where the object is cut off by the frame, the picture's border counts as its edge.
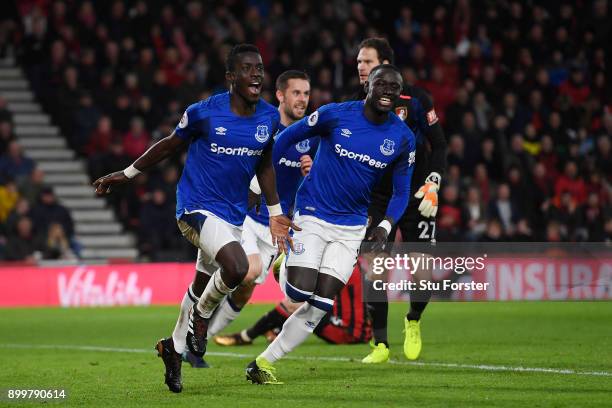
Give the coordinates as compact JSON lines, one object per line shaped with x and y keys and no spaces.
{"x":238,"y":267}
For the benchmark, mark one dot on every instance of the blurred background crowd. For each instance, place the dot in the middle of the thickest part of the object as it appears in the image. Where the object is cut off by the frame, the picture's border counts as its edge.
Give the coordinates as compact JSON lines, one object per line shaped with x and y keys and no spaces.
{"x":520,"y":87}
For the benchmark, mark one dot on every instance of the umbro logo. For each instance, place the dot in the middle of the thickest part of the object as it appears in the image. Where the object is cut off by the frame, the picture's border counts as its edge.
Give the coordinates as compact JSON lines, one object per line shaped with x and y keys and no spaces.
{"x":346,"y":132}
{"x":220,"y":130}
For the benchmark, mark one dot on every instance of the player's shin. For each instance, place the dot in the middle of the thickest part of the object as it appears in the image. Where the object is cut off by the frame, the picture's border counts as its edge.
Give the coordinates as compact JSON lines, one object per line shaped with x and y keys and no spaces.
{"x":419,"y":298}
{"x":298,"y":327}
{"x":226,"y":313}
{"x":201,"y":312}
{"x":182,"y":324}
{"x":230,"y":308}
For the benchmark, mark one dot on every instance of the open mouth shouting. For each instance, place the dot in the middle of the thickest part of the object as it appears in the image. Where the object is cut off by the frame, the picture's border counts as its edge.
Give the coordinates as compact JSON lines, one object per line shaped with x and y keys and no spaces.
{"x":255,"y":87}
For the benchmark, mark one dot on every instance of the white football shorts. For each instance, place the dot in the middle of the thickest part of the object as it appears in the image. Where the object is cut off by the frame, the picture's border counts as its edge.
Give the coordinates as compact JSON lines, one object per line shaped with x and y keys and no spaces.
{"x":257,"y":240}
{"x":209,"y":234}
{"x":331,"y":249}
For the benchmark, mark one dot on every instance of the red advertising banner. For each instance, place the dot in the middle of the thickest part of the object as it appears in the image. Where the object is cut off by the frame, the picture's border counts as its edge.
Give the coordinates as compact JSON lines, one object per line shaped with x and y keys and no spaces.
{"x":105,"y":285}
{"x":165,"y":283}
{"x":544,"y":279}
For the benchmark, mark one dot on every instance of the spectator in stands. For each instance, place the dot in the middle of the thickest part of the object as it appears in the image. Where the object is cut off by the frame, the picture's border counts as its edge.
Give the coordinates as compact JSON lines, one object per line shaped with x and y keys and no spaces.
{"x":48,"y":211}
{"x":603,"y":154}
{"x":84,"y":122}
{"x":494,"y":232}
{"x":473,"y":215}
{"x":56,"y":246}
{"x":100,"y":139}
{"x":101,"y":162}
{"x":31,"y":188}
{"x":136,"y":140}
{"x":157,"y":229}
{"x":449,"y":217}
{"x":569,"y":182}
{"x":22,"y":244}
{"x":21,"y":209}
{"x":6,"y":135}
{"x":504,"y":209}
{"x":5,"y":113}
{"x":8,"y":198}
{"x":14,"y":164}
{"x":591,"y":219}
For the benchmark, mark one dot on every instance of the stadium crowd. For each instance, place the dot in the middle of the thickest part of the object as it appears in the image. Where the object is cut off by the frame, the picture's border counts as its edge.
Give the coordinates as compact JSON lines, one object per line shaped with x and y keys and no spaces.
{"x":519,"y":86}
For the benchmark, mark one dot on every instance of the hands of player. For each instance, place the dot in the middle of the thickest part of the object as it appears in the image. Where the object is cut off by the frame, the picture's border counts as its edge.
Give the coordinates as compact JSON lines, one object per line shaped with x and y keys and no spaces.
{"x":429,"y":193}
{"x":103,"y":184}
{"x":279,"y":228}
{"x":306,"y":162}
{"x":378,"y":237}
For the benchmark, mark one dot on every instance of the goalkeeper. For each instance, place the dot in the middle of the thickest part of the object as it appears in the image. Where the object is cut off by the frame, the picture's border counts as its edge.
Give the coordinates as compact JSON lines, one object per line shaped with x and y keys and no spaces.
{"x":418,"y":223}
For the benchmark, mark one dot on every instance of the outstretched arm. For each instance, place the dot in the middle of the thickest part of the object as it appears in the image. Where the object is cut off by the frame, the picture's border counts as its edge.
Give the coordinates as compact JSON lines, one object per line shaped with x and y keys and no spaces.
{"x":156,"y":153}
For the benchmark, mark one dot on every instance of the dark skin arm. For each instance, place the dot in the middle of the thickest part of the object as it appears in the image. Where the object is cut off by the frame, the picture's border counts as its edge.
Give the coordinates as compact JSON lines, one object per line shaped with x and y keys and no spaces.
{"x":267,"y":181}
{"x":156,"y":153}
{"x":378,"y":236}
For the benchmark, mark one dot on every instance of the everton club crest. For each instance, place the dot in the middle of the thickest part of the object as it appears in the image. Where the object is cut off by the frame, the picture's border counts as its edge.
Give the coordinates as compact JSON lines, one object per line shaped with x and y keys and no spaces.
{"x":303,"y":146}
{"x":262,"y":133}
{"x":388,"y":147}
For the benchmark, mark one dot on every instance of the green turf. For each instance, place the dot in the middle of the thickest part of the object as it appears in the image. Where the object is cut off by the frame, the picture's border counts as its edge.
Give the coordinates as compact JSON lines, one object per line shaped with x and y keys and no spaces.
{"x":575,"y":336}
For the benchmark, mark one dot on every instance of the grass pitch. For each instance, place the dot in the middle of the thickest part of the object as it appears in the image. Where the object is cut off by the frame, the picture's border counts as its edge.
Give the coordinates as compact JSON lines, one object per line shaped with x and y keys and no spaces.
{"x":474,"y":354}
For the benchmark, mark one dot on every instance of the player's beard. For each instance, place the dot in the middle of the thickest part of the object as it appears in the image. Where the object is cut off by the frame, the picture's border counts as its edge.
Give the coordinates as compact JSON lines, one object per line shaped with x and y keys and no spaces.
{"x":291,"y":115}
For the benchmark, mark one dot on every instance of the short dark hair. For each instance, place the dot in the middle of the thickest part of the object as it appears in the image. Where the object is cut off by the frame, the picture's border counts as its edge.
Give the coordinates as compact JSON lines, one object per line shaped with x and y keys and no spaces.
{"x":283,"y":79}
{"x":382,"y":47}
{"x":230,"y":60}
{"x":384,"y":66}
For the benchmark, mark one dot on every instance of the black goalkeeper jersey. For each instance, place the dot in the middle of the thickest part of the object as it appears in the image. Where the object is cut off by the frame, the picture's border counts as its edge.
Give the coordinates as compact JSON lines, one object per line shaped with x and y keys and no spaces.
{"x":415,"y":107}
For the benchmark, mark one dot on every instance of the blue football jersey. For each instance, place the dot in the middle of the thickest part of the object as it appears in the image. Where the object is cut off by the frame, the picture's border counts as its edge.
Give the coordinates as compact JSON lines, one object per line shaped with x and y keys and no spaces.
{"x":223,"y":156}
{"x":288,"y":176}
{"x":353,"y":155}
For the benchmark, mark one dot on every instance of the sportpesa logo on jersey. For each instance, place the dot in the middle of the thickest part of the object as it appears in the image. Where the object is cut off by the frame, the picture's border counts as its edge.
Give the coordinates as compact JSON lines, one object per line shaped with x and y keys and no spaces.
{"x":303,"y":146}
{"x":289,"y":163}
{"x":360,"y":157}
{"x":262,"y":133}
{"x":234,"y":151}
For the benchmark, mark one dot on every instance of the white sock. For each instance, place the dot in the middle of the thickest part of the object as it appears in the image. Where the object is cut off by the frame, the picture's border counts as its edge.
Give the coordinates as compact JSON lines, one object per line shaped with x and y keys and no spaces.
{"x":223,"y":316}
{"x":213,"y":294}
{"x":180,"y":330}
{"x":295,"y":330}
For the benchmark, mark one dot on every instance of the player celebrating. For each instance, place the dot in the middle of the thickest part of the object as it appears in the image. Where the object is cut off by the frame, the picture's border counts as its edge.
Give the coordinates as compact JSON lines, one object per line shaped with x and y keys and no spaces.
{"x":293,"y":93}
{"x":359,"y":141}
{"x":229,"y":137}
{"x":418,"y":224}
